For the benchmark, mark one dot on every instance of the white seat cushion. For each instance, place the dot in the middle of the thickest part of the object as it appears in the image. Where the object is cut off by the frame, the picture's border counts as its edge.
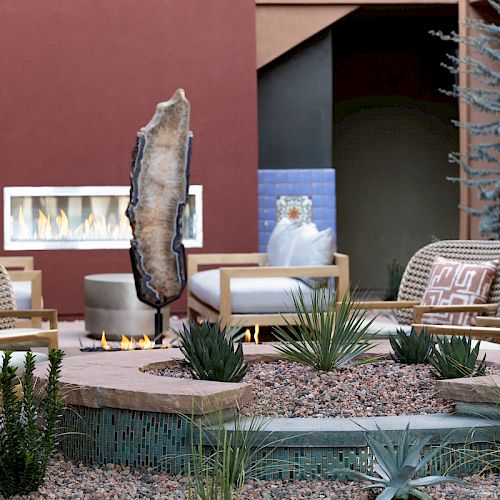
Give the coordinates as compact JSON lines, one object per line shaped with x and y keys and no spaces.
{"x":384,"y":330}
{"x":249,"y":295}
{"x":22,"y":292}
{"x":17,"y":360}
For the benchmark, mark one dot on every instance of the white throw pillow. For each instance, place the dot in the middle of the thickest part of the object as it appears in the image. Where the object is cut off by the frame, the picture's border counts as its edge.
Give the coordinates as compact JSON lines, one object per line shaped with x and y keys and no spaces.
{"x":312,"y":247}
{"x":280,"y":246}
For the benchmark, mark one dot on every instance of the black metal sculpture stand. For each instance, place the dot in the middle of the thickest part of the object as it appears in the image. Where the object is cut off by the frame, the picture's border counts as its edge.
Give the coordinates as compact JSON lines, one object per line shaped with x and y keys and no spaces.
{"x":158,"y":326}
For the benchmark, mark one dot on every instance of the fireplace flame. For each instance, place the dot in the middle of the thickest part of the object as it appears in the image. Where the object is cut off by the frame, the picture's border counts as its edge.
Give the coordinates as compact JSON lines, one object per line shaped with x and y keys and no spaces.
{"x":91,"y":228}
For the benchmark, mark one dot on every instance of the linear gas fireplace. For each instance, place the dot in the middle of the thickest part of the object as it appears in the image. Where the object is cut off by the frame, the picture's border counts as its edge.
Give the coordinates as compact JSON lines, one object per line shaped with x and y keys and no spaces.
{"x":83,"y":217}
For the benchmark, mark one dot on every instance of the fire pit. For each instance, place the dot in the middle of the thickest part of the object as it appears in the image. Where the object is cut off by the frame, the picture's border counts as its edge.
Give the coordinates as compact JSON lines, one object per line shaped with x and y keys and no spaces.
{"x":117,"y":412}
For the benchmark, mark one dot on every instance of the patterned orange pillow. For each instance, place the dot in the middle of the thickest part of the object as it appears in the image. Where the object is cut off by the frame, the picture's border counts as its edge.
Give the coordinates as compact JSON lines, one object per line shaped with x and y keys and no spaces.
{"x":452,"y":282}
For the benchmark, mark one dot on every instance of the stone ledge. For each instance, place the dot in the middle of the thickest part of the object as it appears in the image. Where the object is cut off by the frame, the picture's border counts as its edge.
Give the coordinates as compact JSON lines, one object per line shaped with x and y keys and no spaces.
{"x":348,"y":432}
{"x":484,"y":389}
{"x":117,"y":380}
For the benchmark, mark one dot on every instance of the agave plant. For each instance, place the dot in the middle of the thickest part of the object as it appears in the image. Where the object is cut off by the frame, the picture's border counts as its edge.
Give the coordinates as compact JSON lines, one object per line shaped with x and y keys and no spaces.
{"x":327,"y":335}
{"x":411,"y":349}
{"x":455,"y":358}
{"x":397,"y":465}
{"x":211,"y":353}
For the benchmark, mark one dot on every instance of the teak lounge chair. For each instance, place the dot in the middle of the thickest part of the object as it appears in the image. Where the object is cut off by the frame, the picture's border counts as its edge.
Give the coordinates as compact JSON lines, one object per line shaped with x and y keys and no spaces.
{"x":12,"y":335}
{"x":256,"y":293}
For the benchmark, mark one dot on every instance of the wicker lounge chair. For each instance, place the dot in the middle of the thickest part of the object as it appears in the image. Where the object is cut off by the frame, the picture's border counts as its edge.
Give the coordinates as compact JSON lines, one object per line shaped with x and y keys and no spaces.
{"x":407,"y":308}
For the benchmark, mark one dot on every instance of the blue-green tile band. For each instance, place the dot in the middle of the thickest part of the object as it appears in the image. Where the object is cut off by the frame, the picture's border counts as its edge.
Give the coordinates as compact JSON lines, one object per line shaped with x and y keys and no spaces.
{"x":139,"y":439}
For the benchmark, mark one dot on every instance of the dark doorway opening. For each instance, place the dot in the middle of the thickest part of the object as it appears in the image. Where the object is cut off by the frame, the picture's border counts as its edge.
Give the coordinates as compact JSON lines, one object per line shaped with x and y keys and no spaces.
{"x":392,"y":134}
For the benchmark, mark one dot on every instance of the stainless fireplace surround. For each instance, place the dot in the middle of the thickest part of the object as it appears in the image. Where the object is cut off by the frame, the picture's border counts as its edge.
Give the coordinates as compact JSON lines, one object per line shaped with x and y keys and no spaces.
{"x":81,"y":217}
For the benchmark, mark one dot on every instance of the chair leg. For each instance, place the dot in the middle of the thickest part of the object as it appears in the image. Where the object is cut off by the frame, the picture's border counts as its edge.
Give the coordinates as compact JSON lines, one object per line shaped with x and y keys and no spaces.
{"x":53,"y":341}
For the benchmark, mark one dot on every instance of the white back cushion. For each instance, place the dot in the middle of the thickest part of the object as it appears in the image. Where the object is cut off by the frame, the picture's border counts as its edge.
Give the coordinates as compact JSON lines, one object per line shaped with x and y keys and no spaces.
{"x":312,"y":247}
{"x":280,"y":246}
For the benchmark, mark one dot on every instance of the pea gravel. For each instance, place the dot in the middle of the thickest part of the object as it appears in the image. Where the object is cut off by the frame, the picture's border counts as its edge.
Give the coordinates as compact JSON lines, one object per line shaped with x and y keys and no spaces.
{"x":68,"y":481}
{"x":286,"y":389}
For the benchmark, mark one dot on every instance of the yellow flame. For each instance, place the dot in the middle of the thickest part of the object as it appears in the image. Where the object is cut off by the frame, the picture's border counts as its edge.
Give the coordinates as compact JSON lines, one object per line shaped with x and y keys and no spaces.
{"x":146,"y":343}
{"x":256,"y":334}
{"x":126,"y":344}
{"x":248,"y":335}
{"x":104,"y":342}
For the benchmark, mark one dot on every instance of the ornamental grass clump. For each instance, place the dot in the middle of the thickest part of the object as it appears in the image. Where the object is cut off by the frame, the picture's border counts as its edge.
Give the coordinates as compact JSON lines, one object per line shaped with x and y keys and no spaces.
{"x":397,"y":464}
{"x":29,"y":425}
{"x":225,"y":455}
{"x":211,"y":353}
{"x":455,"y":358}
{"x":411,"y":349}
{"x":327,"y":335}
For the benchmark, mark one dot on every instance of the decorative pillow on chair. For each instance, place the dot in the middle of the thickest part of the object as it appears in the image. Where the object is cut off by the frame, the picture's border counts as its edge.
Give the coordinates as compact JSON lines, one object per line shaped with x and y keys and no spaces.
{"x":312,"y":248}
{"x":280,"y":246}
{"x":457,"y":283}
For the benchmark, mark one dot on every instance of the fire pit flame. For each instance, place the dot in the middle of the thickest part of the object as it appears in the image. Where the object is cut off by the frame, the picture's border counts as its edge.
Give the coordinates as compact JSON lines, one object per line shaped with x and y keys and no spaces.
{"x":128,"y":344}
{"x":146,"y":343}
{"x":248,"y":335}
{"x":104,"y":342}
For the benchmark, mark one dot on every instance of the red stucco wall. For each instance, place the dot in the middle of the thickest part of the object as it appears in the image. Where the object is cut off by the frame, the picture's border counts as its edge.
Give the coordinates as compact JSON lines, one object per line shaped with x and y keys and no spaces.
{"x":78,"y":78}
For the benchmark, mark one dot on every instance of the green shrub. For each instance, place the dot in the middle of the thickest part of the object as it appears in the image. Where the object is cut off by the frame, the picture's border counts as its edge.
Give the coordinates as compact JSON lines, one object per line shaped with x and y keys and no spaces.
{"x":455,"y":358}
{"x":327,"y":337}
{"x":211,"y":353}
{"x":411,"y":349}
{"x":397,"y":464}
{"x":395,"y":272}
{"x":28,"y":426}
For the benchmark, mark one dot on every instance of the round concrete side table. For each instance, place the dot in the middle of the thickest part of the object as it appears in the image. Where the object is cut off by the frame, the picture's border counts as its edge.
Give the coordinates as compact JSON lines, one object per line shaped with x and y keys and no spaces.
{"x":111,"y":304}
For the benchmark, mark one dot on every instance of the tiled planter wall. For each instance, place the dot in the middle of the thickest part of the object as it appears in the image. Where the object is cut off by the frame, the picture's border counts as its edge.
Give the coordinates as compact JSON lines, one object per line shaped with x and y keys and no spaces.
{"x":318,"y":184}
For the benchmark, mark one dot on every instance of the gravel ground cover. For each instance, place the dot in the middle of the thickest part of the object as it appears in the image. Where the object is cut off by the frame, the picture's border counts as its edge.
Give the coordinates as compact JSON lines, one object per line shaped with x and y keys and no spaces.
{"x":68,"y":481}
{"x":285,"y":389}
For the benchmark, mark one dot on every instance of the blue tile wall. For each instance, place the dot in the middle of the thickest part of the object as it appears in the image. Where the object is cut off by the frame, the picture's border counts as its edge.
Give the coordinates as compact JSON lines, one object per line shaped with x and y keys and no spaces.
{"x":319,"y":183}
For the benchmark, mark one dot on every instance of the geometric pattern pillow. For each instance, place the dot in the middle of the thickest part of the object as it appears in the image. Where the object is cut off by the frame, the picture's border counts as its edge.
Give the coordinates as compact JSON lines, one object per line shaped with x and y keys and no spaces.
{"x":452,"y":282}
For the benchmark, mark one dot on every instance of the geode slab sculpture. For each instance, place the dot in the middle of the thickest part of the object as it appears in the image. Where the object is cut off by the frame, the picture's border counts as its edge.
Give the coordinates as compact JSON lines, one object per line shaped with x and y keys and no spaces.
{"x":159,"y":190}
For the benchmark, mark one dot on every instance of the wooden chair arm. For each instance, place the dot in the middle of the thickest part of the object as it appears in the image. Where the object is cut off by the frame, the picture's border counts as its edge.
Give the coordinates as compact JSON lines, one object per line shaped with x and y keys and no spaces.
{"x":420,"y":310}
{"x":50,"y":314}
{"x":16,"y":262}
{"x":279,"y":272}
{"x":227,"y":273}
{"x":200,"y":259}
{"x":35,"y":277}
{"x":386,"y":304}
{"x":473,"y":331}
{"x":488,"y":321}
{"x":50,"y":336}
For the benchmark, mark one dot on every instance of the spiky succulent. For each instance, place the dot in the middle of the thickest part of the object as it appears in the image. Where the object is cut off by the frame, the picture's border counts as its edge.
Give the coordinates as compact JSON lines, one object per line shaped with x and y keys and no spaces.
{"x":327,"y":335}
{"x":455,"y":358}
{"x":411,"y":349}
{"x":211,"y":353}
{"x":398,"y":464}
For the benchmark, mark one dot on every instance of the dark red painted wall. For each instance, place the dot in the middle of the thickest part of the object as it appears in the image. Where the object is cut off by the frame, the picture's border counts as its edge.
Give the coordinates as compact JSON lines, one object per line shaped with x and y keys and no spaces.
{"x":79,"y":78}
